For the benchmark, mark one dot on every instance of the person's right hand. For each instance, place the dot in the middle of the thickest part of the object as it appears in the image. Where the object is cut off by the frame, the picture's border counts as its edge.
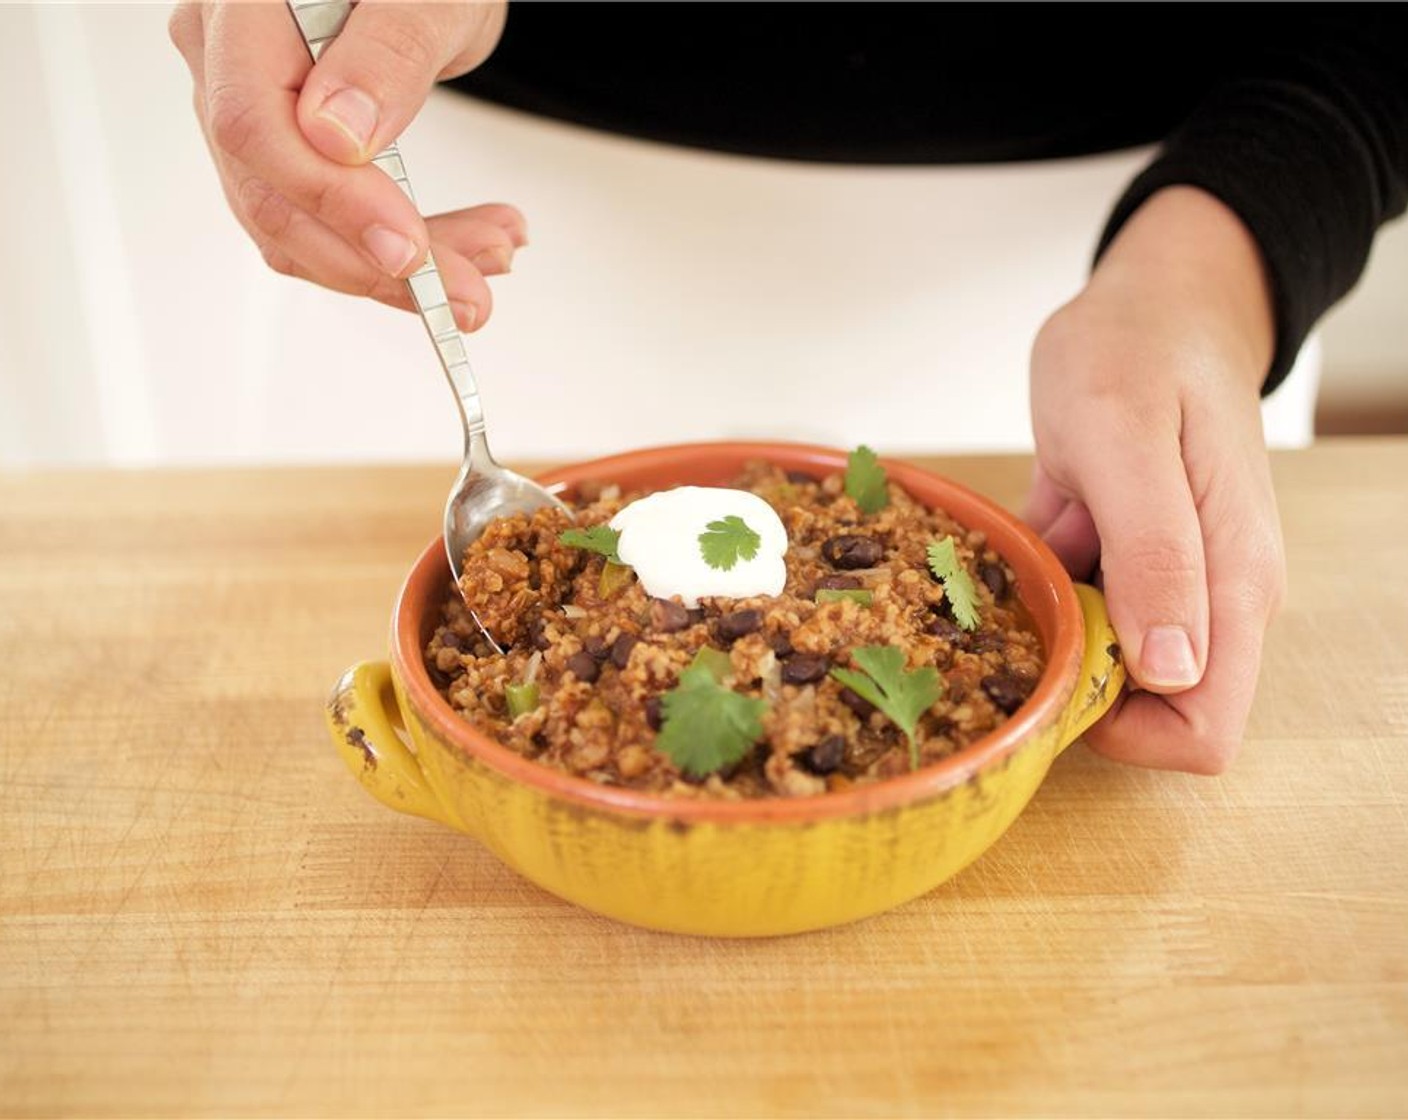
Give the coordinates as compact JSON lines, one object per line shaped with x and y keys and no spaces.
{"x":1152,"y":471}
{"x":292,"y":142}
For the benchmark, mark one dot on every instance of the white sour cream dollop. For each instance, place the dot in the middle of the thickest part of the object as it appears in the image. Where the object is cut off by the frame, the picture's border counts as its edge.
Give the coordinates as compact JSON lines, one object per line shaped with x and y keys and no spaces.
{"x":660,"y":540}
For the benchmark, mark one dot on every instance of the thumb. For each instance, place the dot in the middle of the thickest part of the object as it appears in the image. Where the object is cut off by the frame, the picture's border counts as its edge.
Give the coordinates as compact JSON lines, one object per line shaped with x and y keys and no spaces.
{"x":374,"y":77}
{"x":1151,"y":555}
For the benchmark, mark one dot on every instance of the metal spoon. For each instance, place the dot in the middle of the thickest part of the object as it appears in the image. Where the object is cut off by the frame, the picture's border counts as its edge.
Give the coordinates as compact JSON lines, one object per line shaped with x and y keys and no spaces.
{"x":483,"y":490}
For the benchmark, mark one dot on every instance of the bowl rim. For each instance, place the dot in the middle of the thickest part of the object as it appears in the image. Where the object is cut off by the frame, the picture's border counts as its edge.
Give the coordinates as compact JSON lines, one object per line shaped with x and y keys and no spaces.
{"x":1041,"y":709}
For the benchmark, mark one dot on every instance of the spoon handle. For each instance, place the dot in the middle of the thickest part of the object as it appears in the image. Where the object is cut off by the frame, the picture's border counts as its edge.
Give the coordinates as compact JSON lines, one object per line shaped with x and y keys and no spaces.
{"x":319,"y":22}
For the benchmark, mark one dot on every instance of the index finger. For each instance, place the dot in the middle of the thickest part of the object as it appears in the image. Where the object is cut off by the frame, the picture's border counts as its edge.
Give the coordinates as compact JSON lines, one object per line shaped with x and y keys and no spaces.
{"x":255,"y":65}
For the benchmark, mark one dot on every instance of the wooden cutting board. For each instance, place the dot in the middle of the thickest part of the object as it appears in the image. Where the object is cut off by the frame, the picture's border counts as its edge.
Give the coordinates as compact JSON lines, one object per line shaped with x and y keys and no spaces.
{"x":202,"y":914}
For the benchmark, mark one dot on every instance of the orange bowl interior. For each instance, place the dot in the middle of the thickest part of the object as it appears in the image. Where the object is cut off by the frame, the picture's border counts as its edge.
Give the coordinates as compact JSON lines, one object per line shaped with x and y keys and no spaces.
{"x":1042,"y":586}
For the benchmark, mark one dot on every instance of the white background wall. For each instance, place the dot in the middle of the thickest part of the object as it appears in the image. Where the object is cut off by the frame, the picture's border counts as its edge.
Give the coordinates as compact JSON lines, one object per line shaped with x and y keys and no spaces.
{"x":666,"y":295}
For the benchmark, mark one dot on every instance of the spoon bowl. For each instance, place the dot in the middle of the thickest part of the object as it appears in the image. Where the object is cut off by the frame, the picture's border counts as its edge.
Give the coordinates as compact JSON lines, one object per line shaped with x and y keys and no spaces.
{"x":483,"y":491}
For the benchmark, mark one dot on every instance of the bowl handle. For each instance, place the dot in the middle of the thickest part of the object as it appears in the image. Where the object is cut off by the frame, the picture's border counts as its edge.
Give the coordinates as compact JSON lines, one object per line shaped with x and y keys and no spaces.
{"x":1102,"y":672}
{"x":360,"y":715}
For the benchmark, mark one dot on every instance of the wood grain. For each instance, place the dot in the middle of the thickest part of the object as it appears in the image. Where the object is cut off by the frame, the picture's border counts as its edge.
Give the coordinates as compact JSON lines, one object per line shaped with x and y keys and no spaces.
{"x":202,"y":914}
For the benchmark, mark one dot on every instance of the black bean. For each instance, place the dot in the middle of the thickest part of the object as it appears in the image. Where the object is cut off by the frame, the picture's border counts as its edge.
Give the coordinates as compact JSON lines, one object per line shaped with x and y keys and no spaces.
{"x":801,"y":476}
{"x":857,"y":703}
{"x":654,"y":713}
{"x":449,"y":639}
{"x":537,"y":633}
{"x":736,"y":624}
{"x":1006,"y":690}
{"x":696,"y":616}
{"x":596,"y":647}
{"x":986,"y":641}
{"x":584,"y":666}
{"x":838,"y":583}
{"x":805,"y":668}
{"x":752,"y":762}
{"x":942,"y":627}
{"x":621,"y":650}
{"x":781,"y":643}
{"x":850,"y":551}
{"x":667,"y":616}
{"x":439,"y":679}
{"x":826,"y":757}
{"x":995,"y":576}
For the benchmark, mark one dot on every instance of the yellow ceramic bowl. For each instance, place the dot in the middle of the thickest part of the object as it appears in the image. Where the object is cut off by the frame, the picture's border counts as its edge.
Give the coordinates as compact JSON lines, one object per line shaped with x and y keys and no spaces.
{"x":733,"y":868}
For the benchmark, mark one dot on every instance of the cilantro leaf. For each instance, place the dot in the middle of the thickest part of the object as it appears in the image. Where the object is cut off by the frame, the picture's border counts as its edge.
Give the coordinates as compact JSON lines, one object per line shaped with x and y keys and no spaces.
{"x":903,"y":695}
{"x":601,"y":539}
{"x":958,"y":584}
{"x":723,"y":542}
{"x":708,"y":726}
{"x":865,"y":480}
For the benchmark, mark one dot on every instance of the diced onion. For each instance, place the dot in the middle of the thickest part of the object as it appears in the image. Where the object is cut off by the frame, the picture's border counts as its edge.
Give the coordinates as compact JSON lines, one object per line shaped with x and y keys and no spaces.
{"x":771,"y":673}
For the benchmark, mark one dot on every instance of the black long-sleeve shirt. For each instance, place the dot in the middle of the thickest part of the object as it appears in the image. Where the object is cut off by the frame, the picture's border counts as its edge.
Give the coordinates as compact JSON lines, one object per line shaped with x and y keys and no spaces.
{"x":1295,"y":115}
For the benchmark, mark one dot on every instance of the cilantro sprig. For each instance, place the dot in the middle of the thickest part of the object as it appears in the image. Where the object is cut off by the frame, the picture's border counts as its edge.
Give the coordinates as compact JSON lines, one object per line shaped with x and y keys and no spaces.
{"x":708,"y":726}
{"x":723,"y":543}
{"x":865,"y":480}
{"x":902,"y":694}
{"x":601,"y":539}
{"x":959,"y":588}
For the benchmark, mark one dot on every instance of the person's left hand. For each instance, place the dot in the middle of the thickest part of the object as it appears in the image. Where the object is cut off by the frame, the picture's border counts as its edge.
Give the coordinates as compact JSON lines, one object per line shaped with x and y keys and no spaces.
{"x":1152,"y":469}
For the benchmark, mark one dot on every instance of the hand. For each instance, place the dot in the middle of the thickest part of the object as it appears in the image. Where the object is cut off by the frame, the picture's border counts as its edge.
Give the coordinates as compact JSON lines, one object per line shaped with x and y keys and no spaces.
{"x":291,"y":142}
{"x":1151,"y":463}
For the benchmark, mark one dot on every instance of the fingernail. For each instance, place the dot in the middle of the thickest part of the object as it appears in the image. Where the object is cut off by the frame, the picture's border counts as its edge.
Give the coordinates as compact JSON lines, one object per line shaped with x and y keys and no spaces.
{"x":466,"y":315}
{"x":393,"y":251}
{"x":1167,"y":659}
{"x":493,"y":261}
{"x":354,"y":112}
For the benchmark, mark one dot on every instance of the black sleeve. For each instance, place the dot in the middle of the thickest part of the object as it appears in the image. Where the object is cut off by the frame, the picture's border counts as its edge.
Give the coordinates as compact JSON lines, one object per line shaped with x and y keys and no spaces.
{"x":1308,"y":144}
